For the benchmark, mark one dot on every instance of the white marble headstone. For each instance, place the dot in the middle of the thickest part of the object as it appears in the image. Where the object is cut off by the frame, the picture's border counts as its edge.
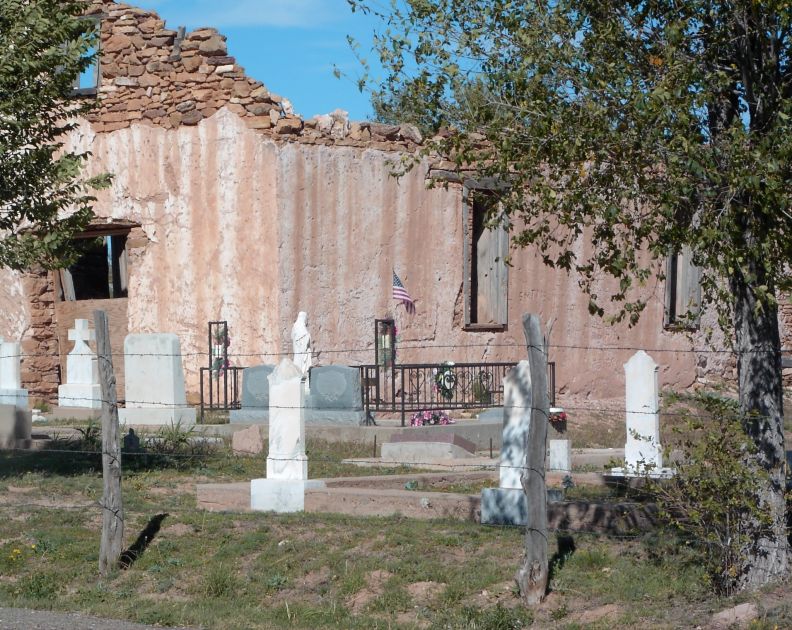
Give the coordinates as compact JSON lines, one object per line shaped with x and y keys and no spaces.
{"x":10,"y":374}
{"x":517,"y":403}
{"x":82,"y":387}
{"x":642,"y":405}
{"x":154,"y":379}
{"x":286,"y":458}
{"x":284,"y":488}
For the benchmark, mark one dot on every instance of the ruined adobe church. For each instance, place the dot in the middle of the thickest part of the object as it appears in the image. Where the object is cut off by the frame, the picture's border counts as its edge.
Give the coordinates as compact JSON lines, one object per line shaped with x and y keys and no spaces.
{"x":225,"y":205}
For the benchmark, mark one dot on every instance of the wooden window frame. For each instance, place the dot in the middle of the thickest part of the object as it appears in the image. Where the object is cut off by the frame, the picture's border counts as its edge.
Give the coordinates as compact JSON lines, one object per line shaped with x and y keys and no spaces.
{"x":674,"y":283}
{"x":469,"y":191}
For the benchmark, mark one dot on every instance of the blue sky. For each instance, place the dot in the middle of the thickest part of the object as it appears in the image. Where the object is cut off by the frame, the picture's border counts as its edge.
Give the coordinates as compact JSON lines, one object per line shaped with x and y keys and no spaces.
{"x":290,"y":45}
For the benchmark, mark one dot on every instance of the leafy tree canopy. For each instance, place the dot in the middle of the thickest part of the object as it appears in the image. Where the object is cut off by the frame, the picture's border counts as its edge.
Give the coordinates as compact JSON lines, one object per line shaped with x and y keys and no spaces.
{"x":643,"y":127}
{"x":646,"y":124}
{"x":44,"y":46}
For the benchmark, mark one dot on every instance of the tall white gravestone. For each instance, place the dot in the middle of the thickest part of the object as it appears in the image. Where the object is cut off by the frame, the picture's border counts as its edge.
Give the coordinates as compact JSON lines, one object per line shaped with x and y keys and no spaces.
{"x":507,"y":504}
{"x":82,"y":387}
{"x":643,"y":453}
{"x":154,"y":381}
{"x":283,"y":490}
{"x":11,"y":392}
{"x":286,"y":458}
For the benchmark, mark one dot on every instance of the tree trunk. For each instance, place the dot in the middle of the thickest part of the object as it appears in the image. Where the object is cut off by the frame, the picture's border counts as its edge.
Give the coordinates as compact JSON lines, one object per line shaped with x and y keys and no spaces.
{"x":762,"y":408}
{"x":533,"y":574}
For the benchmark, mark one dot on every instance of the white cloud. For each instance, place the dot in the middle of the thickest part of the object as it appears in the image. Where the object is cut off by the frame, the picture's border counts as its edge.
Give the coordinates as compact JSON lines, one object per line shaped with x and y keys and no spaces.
{"x":278,"y":13}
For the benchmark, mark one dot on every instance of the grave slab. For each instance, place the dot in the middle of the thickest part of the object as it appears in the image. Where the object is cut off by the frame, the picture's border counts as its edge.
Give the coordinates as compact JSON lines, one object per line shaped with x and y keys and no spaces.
{"x":413,"y":448}
{"x":154,"y":379}
{"x":255,"y":396}
{"x":335,"y":396}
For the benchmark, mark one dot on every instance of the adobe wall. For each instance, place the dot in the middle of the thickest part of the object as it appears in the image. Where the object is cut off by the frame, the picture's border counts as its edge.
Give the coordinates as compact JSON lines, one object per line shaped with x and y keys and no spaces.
{"x":249,"y":213}
{"x":346,"y":223}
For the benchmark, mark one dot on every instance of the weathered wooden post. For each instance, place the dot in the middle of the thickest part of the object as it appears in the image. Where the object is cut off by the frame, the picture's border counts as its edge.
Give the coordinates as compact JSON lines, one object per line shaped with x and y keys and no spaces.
{"x":112,"y":507}
{"x":532,"y":576}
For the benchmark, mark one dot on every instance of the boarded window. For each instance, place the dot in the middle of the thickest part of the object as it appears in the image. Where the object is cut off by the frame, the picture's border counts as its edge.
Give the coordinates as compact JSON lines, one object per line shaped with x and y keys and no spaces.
{"x":683,"y":291}
{"x":100,"y":273}
{"x":486,"y":272}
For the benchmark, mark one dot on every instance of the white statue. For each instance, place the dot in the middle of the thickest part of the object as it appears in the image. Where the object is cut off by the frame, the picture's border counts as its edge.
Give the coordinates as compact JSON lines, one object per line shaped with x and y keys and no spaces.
{"x":301,"y":343}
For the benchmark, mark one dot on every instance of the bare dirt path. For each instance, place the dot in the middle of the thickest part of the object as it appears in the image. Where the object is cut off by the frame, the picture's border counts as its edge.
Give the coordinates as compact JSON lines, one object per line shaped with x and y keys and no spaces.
{"x":22,"y":619}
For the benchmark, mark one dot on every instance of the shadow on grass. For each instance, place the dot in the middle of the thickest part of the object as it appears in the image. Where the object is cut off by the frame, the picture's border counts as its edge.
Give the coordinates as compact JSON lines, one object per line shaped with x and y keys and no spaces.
{"x":137,"y":548}
{"x":565,"y":548}
{"x":75,"y":457}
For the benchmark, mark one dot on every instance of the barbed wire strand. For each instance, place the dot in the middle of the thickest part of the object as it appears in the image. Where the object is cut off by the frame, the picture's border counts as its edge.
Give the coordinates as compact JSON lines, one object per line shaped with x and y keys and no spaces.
{"x":427,"y":346}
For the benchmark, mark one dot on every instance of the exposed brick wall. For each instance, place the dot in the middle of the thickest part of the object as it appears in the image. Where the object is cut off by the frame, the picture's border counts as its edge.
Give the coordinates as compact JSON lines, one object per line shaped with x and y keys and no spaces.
{"x":39,"y":343}
{"x":150,"y":76}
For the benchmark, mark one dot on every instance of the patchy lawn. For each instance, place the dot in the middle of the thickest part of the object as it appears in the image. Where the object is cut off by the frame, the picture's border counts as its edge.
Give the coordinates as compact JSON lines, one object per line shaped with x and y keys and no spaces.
{"x":311,"y":570}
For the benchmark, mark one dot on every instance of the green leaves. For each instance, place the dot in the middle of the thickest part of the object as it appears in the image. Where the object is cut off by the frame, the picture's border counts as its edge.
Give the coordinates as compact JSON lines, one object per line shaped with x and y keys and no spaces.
{"x":640,"y":125}
{"x":44,"y":46}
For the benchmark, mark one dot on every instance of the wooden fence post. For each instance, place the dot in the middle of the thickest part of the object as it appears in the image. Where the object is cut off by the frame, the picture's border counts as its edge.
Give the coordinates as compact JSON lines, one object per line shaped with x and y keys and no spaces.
{"x":112,"y":507}
{"x":532,"y":576}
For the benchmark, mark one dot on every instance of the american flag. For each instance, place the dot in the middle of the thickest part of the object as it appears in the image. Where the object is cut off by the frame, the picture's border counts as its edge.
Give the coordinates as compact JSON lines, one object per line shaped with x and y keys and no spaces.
{"x":400,"y":294}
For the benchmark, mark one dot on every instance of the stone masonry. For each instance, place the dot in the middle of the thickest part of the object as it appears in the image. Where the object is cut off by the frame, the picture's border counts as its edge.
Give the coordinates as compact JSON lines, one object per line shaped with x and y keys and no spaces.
{"x":158,"y":76}
{"x":40,"y":371}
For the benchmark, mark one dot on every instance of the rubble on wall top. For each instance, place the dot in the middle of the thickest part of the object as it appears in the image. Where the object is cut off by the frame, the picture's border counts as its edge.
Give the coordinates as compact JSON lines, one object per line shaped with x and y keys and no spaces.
{"x":153,"y":75}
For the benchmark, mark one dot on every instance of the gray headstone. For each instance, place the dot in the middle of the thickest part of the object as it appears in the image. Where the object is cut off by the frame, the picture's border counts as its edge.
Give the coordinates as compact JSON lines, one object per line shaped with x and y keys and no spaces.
{"x":335,"y":387}
{"x":255,"y":387}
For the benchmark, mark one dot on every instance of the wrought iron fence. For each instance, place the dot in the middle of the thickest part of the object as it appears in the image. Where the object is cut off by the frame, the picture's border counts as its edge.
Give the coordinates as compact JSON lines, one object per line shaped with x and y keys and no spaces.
{"x":220,"y":381}
{"x":220,"y":391}
{"x":422,"y":386}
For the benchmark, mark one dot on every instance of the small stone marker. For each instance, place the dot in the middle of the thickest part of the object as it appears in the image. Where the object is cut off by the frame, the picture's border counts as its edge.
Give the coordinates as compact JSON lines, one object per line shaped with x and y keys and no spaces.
{"x":247,"y":442}
{"x":255,"y":395}
{"x":336,"y":396}
{"x":15,"y":427}
{"x":154,"y":380}
{"x":283,"y":490}
{"x":642,"y":451}
{"x":416,"y":447}
{"x":11,"y":392}
{"x":82,"y":387}
{"x":560,"y":455}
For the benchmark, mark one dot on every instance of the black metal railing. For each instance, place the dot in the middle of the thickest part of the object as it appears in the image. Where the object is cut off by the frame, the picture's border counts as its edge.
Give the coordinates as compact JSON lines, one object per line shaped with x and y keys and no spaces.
{"x":424,"y":386}
{"x":220,"y":390}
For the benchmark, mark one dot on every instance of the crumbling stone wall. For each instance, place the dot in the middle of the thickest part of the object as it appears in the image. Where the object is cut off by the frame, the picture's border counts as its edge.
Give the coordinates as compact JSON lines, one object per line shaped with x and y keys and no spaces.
{"x":151,"y":74}
{"x":40,"y":365}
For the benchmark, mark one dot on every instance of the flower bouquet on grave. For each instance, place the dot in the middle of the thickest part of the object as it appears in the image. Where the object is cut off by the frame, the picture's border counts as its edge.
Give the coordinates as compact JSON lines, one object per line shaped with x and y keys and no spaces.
{"x":558,"y":419}
{"x":429,"y":418}
{"x":219,"y":366}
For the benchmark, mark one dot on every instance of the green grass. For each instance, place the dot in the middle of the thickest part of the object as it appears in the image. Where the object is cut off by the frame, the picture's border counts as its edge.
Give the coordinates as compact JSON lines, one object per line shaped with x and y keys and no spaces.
{"x":230,"y":571}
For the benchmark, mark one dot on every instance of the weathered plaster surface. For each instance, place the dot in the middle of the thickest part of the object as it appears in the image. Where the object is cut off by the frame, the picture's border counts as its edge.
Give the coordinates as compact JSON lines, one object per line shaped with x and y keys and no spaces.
{"x":346,"y":223}
{"x":205,"y":199}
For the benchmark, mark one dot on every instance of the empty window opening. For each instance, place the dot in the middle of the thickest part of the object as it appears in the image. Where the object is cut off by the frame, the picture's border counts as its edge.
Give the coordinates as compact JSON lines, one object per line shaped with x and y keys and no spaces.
{"x":87,"y":82}
{"x":486,"y":271}
{"x":100,"y":273}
